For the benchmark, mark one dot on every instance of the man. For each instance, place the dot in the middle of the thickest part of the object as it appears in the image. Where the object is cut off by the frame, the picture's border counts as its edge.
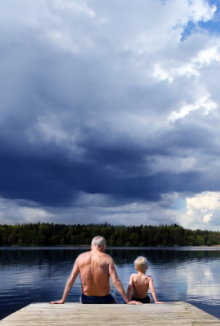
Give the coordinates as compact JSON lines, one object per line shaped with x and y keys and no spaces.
{"x":95,"y":268}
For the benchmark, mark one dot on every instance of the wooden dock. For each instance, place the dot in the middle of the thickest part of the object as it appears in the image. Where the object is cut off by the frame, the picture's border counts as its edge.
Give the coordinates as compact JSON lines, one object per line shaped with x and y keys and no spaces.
{"x":45,"y":314}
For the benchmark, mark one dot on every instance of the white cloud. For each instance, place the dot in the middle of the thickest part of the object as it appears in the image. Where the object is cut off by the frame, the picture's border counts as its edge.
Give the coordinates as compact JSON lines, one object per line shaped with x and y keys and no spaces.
{"x":63,"y":41}
{"x":90,"y":208}
{"x":22,"y":211}
{"x":207,"y":56}
{"x":204,"y":103}
{"x":74,"y":6}
{"x":201,"y":10}
{"x":190,"y":67}
{"x":179,"y":164}
{"x":202,"y":211}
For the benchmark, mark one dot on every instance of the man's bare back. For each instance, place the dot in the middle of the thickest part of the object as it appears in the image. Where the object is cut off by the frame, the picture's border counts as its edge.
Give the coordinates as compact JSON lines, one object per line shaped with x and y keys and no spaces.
{"x":94,"y":267}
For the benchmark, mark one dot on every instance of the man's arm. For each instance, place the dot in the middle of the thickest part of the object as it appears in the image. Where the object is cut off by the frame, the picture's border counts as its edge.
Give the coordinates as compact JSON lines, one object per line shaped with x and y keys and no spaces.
{"x":69,"y":283}
{"x":116,"y":281}
{"x":130,"y":288}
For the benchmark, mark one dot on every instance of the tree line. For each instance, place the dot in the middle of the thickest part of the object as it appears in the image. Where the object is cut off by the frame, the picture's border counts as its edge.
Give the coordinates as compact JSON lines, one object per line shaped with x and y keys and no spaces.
{"x":50,"y":234}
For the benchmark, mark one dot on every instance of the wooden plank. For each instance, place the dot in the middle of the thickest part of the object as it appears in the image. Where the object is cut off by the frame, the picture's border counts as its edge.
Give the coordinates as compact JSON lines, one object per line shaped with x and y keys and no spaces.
{"x":44,"y":314}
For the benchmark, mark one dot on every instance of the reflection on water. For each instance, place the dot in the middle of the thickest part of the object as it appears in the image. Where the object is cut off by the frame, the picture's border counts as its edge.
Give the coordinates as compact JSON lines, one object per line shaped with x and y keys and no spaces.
{"x":39,"y":275}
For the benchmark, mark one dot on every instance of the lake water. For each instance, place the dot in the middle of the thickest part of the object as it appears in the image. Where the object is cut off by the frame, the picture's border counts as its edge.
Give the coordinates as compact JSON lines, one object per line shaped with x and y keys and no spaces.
{"x":29,"y":275}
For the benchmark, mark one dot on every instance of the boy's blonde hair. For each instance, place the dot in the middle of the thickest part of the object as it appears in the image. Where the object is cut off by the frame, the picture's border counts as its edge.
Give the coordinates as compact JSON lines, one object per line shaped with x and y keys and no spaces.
{"x":141,"y":263}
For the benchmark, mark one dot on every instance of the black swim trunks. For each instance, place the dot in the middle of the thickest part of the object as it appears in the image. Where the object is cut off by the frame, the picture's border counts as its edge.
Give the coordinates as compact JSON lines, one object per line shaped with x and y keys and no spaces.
{"x":96,"y":300}
{"x":143,"y":300}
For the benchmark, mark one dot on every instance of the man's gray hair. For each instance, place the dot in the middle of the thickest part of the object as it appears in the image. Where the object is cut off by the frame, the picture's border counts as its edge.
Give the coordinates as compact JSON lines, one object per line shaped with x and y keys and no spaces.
{"x":99,"y":241}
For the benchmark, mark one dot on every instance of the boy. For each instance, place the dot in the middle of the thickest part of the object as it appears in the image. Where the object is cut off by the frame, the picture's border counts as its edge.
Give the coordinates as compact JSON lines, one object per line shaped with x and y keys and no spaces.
{"x":140,"y":283}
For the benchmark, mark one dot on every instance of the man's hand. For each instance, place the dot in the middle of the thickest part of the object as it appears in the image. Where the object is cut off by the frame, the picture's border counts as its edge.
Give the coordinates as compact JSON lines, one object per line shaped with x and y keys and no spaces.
{"x":134,"y":302}
{"x":57,"y":302}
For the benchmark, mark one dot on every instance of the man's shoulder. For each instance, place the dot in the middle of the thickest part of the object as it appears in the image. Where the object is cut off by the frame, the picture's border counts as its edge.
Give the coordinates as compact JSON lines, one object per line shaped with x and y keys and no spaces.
{"x":84,"y":255}
{"x":107,"y":256}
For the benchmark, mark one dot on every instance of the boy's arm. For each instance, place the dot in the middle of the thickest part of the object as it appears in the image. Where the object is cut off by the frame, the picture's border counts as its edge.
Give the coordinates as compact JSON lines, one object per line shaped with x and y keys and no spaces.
{"x":130,"y":288}
{"x":153,"y":291}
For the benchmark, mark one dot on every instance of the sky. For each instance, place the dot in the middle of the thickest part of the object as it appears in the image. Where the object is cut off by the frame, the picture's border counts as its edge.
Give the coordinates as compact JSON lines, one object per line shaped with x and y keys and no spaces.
{"x":109,"y":112}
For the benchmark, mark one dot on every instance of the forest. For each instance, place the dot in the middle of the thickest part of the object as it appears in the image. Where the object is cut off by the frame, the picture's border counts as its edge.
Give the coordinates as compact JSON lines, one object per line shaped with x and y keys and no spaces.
{"x":50,"y":234}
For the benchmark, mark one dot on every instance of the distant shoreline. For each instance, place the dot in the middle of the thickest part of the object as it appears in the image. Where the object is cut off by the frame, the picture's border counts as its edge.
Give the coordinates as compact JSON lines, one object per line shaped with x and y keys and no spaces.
{"x":87,"y":247}
{"x":80,"y":235}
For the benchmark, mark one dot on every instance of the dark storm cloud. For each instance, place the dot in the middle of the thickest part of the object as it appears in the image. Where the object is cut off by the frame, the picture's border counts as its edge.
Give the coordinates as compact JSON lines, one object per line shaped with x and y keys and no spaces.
{"x":101,"y":106}
{"x":48,"y":176}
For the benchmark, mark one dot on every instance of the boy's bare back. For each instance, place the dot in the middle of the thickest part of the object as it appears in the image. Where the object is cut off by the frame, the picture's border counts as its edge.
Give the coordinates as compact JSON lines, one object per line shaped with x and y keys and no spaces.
{"x":140,"y":284}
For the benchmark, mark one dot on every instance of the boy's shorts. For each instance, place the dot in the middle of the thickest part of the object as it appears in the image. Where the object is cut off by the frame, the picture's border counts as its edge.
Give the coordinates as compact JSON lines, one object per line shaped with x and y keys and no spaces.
{"x":143,"y":300}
